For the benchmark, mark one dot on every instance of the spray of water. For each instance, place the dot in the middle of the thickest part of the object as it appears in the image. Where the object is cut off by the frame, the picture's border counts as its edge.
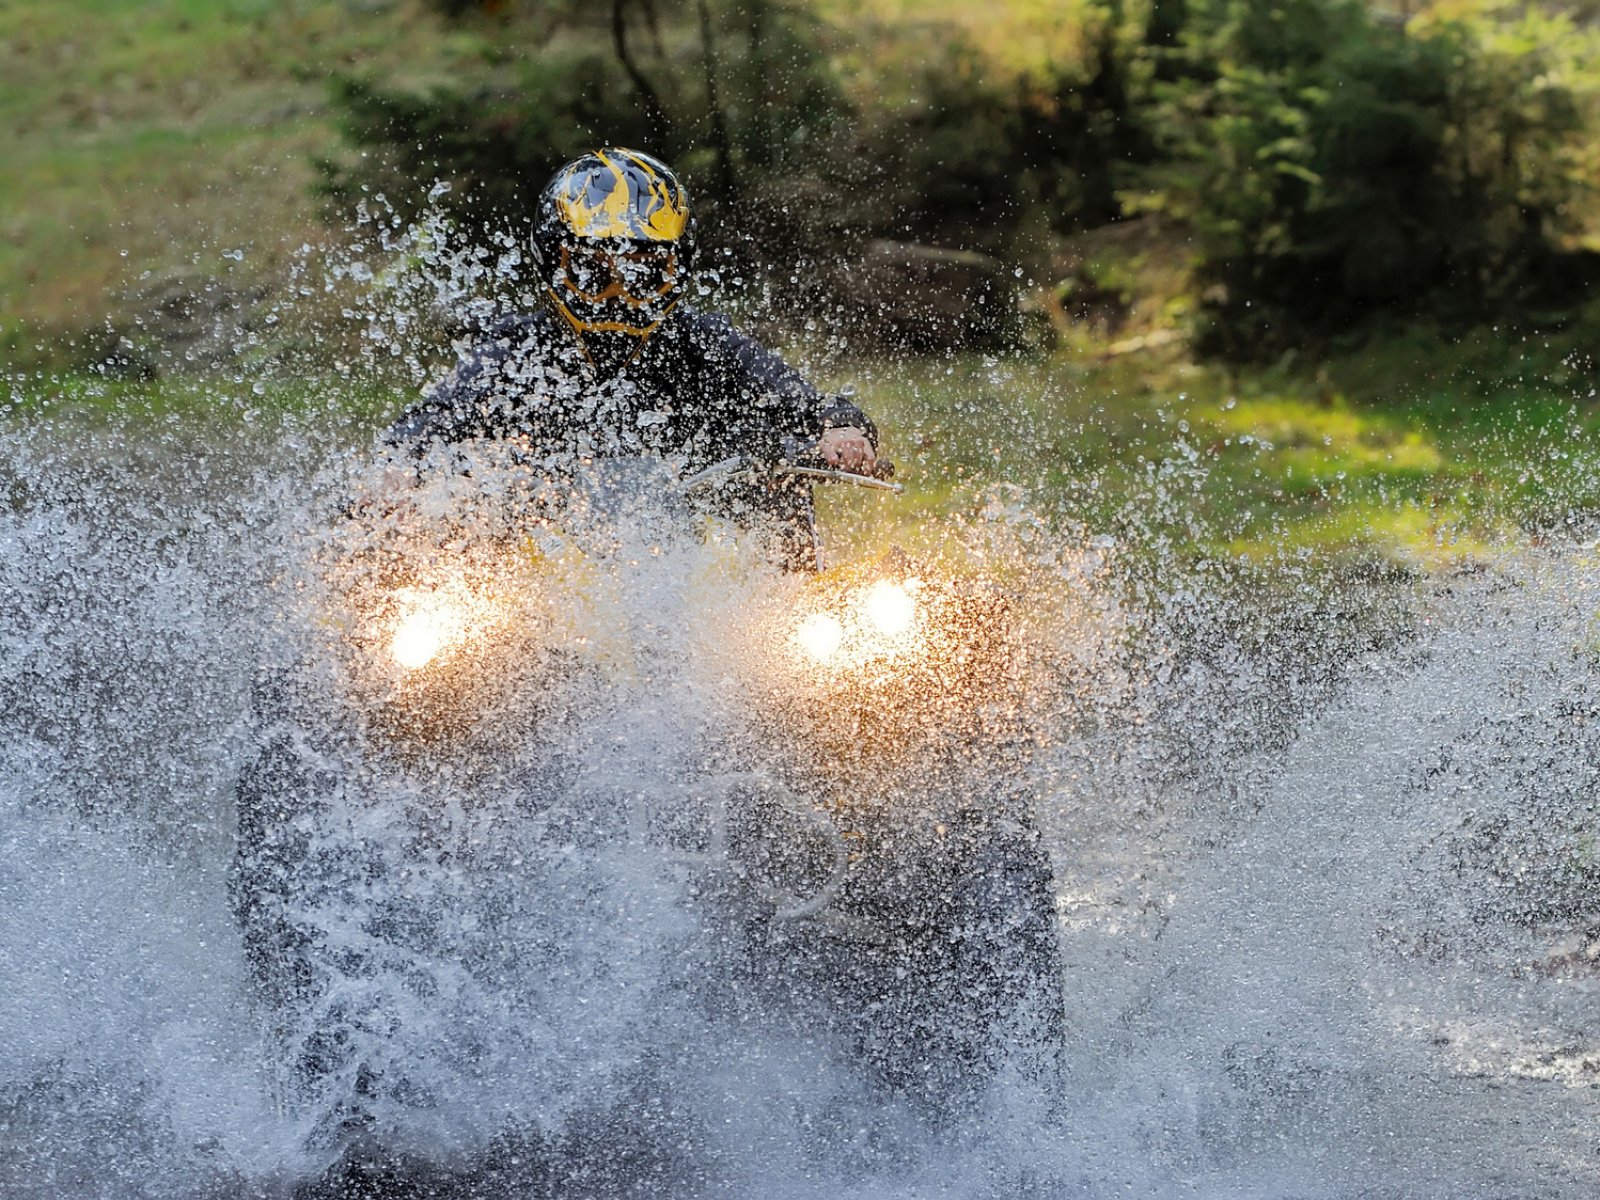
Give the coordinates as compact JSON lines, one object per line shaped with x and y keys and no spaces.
{"x":1324,"y":887}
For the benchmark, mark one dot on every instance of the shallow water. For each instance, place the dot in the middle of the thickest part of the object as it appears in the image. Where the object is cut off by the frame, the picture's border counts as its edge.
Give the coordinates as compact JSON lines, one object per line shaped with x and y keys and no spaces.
{"x":1296,"y":965}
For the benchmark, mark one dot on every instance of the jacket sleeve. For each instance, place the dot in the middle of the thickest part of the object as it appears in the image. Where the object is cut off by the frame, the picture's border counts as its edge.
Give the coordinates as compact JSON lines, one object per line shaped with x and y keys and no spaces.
{"x":450,"y":410}
{"x":841,"y":412}
{"x":763,"y":384}
{"x":475,"y":399}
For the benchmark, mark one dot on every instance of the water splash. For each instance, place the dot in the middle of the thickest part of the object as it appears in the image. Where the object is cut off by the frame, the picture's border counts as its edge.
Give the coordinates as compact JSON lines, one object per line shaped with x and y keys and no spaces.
{"x":1323,"y":863}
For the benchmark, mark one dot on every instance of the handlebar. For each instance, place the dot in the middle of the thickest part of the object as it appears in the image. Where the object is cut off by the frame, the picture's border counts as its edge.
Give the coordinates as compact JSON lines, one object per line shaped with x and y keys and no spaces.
{"x":877,"y":480}
{"x":801,"y":464}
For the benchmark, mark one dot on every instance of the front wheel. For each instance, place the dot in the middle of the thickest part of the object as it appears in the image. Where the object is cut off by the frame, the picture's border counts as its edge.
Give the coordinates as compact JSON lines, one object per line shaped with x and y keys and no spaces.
{"x":985,"y":992}
{"x":943,"y":956}
{"x":285,"y":871}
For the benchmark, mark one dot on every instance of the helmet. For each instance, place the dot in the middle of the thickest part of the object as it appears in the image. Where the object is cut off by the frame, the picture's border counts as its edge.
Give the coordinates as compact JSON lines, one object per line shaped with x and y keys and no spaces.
{"x":614,"y":238}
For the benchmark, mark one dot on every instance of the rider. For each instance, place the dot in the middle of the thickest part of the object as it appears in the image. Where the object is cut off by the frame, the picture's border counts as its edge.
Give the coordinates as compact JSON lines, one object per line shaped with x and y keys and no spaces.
{"x":616,"y":364}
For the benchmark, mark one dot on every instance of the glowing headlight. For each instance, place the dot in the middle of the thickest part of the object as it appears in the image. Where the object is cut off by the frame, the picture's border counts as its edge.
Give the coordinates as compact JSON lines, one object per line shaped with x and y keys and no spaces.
{"x":878,"y":622}
{"x":428,"y":626}
{"x":890,"y":607}
{"x":820,"y":636}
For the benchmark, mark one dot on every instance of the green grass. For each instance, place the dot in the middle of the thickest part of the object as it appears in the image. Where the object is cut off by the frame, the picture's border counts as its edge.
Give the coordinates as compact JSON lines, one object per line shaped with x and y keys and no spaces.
{"x":1262,"y":465}
{"x":219,"y":402}
{"x":138,"y":134}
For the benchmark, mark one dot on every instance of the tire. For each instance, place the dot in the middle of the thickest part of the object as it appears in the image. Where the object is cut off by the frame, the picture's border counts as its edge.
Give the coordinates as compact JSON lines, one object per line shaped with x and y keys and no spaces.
{"x":965,"y":980}
{"x":277,"y":867}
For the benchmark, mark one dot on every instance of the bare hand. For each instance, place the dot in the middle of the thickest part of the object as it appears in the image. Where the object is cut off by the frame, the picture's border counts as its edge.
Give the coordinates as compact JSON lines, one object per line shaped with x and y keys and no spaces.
{"x":847,"y":448}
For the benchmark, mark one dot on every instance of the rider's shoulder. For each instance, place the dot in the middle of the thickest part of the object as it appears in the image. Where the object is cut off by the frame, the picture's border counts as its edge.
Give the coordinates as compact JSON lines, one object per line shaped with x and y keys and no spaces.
{"x":710,"y":331}
{"x":696,"y":322}
{"x":485,"y":353}
{"x":512,"y":331}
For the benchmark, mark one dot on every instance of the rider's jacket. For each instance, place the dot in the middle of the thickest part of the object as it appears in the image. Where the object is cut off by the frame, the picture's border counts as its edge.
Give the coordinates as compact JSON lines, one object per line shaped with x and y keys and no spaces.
{"x":697,"y":388}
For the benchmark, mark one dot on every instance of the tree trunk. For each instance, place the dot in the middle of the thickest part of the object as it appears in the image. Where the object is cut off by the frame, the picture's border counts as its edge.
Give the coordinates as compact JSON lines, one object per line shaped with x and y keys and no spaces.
{"x":759,"y":144}
{"x":720,"y":140}
{"x":655,"y":113}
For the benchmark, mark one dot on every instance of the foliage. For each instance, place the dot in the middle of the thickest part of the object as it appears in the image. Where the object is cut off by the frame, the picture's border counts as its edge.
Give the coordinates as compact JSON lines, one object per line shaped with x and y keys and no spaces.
{"x":969,"y":158}
{"x":762,"y":103}
{"x":498,"y":142}
{"x":1332,"y":166}
{"x":1328,"y":171}
{"x":731,"y":100}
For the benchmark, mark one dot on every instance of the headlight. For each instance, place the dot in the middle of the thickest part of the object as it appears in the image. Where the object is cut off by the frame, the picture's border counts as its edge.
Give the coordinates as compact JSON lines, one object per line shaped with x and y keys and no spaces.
{"x":878,"y":622}
{"x":428,"y":625}
{"x":819,"y":636}
{"x":890,"y":607}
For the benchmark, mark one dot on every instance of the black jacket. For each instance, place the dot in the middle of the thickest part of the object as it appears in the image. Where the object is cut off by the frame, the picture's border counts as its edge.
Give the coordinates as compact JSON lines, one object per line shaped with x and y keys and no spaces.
{"x":698,"y":387}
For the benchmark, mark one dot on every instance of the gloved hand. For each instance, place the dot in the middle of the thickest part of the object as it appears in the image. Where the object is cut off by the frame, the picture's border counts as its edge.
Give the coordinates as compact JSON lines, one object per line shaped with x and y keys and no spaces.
{"x":847,"y":448}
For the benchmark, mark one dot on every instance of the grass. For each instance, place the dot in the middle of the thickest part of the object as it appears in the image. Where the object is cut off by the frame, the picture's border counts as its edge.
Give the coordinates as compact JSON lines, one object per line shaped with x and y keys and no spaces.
{"x":138,"y":134}
{"x":1262,"y":465}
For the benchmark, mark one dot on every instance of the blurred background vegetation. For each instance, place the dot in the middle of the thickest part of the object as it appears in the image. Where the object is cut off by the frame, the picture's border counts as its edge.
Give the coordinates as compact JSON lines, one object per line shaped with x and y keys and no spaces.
{"x":1372,"y":229}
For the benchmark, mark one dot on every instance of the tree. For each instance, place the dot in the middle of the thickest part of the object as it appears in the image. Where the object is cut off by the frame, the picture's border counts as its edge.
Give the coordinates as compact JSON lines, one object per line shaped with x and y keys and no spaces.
{"x":1333,"y":166}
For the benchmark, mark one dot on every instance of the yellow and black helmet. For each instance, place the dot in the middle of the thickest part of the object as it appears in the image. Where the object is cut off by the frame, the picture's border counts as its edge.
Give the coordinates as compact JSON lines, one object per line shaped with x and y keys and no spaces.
{"x":614,"y":238}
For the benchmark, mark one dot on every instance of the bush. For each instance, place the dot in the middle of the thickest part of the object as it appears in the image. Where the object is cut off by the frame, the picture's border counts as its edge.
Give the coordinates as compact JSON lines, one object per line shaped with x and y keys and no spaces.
{"x":497,"y":142}
{"x":1330,"y":166}
{"x":753,"y":104}
{"x":1333,"y":167}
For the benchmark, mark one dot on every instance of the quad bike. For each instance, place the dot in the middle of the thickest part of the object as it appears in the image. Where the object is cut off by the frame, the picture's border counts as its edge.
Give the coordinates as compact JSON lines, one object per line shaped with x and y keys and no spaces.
{"x":830,"y":765}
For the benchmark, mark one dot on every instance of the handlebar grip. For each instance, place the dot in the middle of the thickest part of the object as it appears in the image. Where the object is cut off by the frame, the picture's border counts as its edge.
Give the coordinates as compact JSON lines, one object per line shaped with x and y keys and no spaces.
{"x":800,"y":455}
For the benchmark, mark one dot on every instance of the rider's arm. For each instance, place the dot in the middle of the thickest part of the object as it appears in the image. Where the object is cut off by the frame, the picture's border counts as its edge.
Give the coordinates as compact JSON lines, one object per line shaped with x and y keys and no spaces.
{"x":490,"y":393}
{"x":786,"y":406}
{"x":455,"y":408}
{"x":451,"y":409}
